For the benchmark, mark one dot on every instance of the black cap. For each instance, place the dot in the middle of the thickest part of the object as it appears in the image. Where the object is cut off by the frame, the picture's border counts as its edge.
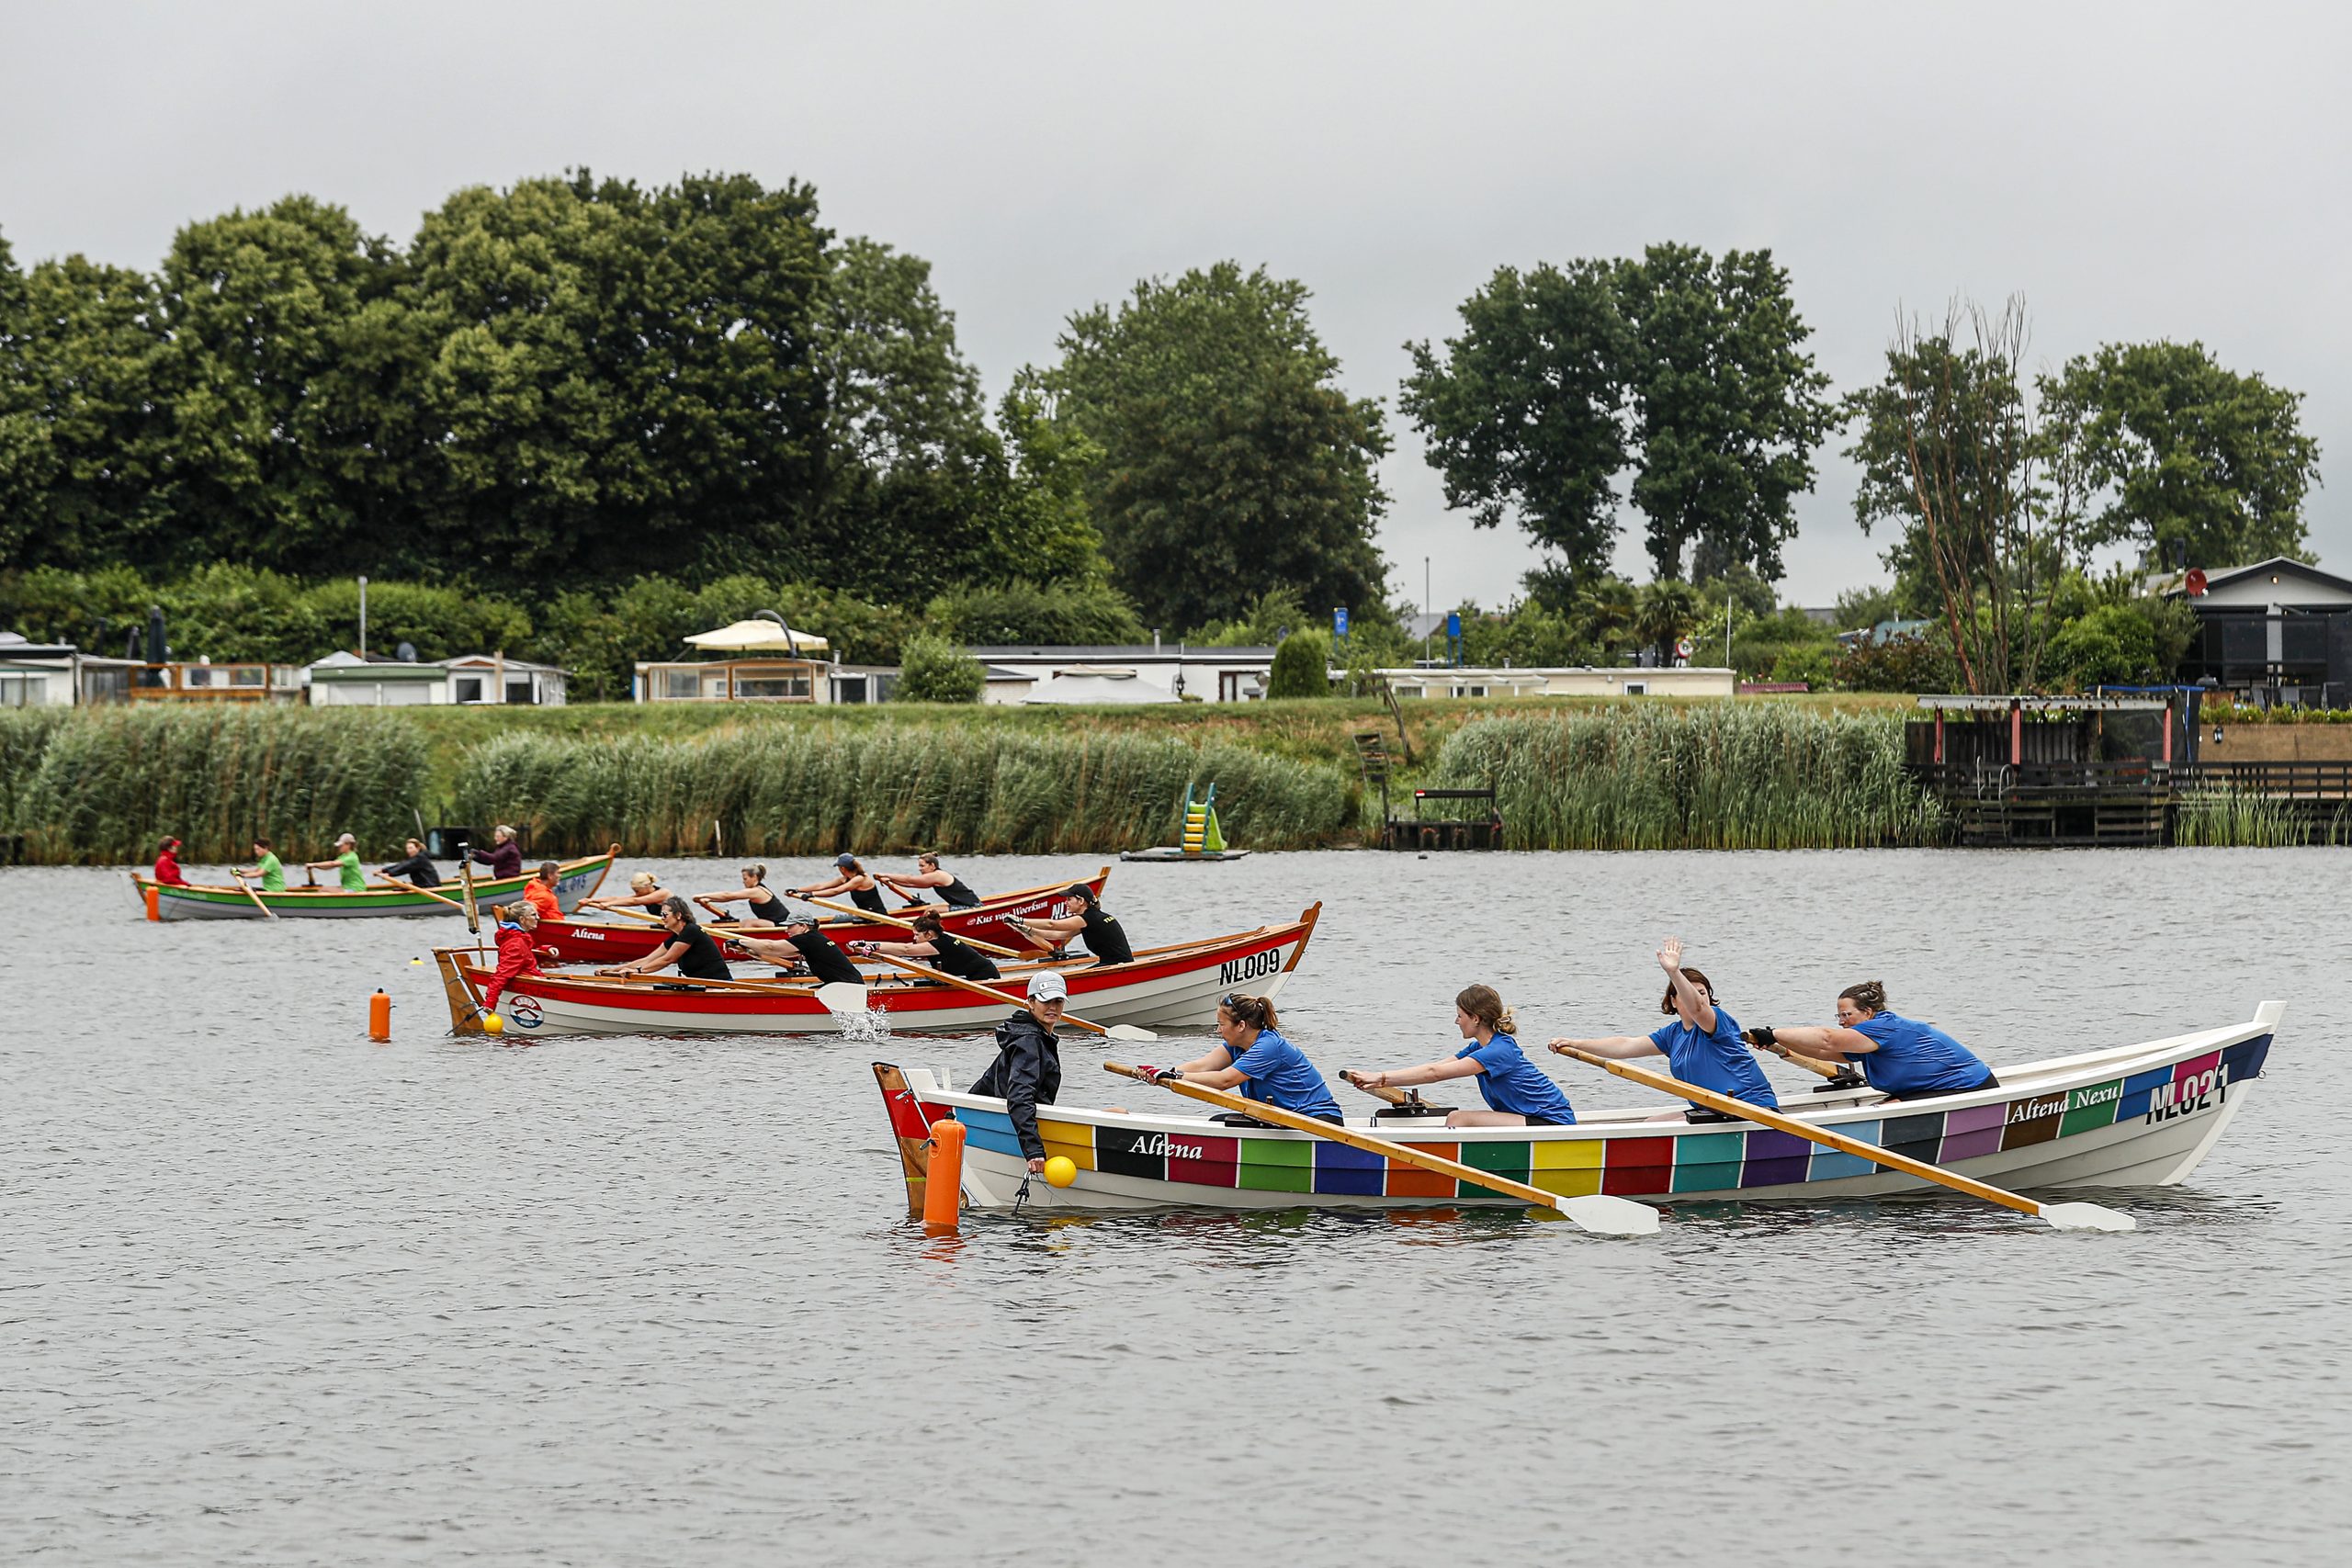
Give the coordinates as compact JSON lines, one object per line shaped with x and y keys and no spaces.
{"x":1079,"y":890}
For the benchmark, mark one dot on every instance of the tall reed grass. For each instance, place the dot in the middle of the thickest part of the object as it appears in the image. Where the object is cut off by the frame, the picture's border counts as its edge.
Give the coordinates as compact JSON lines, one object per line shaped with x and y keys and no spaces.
{"x":104,"y":784}
{"x":2230,"y":818}
{"x":1717,"y":776}
{"x":965,"y":789}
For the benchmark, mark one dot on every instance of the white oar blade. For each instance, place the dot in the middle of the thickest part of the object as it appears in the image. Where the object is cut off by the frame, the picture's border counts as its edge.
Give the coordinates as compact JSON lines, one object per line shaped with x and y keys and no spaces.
{"x":2088,"y":1217}
{"x":1128,"y":1032}
{"x":841,"y":997}
{"x":1605,"y":1215}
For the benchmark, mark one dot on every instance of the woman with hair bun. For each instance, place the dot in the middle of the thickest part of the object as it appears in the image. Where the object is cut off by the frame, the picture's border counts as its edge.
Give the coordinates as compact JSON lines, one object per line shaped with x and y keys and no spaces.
{"x":1903,"y":1058}
{"x":1257,"y":1060}
{"x":766,"y":907}
{"x":1518,"y":1093}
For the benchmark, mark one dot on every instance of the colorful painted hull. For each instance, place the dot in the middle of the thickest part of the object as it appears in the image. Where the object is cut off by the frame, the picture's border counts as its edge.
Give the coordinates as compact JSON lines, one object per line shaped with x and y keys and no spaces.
{"x":616,"y":941}
{"x":1166,"y":988}
{"x":2127,"y":1116}
{"x":581,"y":878}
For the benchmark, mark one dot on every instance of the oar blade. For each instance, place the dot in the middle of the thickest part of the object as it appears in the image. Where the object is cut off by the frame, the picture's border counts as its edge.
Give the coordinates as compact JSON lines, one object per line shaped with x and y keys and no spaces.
{"x":841,"y":997}
{"x":1604,"y":1215}
{"x":2088,"y":1217}
{"x":1130,"y":1032}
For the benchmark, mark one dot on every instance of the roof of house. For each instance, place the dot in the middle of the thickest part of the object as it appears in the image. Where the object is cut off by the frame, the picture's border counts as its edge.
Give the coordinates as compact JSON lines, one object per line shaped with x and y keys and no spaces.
{"x":1125,"y":653}
{"x":2221,"y":576}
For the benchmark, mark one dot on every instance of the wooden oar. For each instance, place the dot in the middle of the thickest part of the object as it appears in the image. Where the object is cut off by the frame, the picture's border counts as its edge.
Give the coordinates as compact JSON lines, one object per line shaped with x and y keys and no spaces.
{"x":1393,"y":1096}
{"x":837,"y":996}
{"x":412,"y":888}
{"x":987,"y":947}
{"x":1126,"y":1032}
{"x":466,"y":875}
{"x":1595,"y":1212}
{"x":2065,"y":1216}
{"x":255,"y":895}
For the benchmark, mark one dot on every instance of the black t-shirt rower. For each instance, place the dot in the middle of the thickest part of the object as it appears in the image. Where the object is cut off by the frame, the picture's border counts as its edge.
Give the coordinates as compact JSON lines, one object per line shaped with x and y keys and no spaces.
{"x":703,"y":960}
{"x":952,"y":957}
{"x":766,"y":905}
{"x":825,"y":959}
{"x":956,"y":895}
{"x":1103,"y":938}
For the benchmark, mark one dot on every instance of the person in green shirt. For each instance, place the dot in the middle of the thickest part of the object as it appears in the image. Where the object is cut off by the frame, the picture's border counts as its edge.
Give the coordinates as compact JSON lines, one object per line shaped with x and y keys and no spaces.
{"x":272,"y":874}
{"x":346,"y":861}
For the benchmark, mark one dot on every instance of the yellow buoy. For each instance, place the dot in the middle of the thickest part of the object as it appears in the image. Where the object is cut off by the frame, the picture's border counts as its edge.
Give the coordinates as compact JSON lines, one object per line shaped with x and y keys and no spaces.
{"x":1060,"y":1171}
{"x":492,"y":1024}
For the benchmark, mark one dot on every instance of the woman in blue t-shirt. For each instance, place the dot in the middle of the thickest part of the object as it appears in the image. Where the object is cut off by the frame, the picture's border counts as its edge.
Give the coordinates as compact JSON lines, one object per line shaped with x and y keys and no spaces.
{"x":1258,"y":1062}
{"x":1516,"y":1092}
{"x":1903,"y":1058}
{"x":1702,"y":1046}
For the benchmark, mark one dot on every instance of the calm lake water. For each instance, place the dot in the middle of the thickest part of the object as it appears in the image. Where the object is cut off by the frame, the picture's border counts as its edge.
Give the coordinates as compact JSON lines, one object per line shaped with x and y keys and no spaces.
{"x":270,"y":1294}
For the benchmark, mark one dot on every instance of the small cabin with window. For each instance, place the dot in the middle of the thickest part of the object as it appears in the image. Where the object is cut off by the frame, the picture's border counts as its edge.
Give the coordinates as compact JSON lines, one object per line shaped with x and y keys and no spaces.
{"x":348,"y":679}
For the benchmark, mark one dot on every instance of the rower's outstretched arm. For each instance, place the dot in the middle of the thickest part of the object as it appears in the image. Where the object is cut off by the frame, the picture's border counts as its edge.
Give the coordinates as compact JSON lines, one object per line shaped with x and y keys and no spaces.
{"x":1670,"y":958}
{"x":1427,"y":1072}
{"x":1823,"y":1042}
{"x":1616,"y":1047}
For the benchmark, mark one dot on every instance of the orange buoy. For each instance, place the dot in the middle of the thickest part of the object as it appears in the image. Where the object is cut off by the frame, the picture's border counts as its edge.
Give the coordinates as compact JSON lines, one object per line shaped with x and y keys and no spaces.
{"x":379,"y":1017}
{"x":154,"y":903}
{"x":943,"y":1190}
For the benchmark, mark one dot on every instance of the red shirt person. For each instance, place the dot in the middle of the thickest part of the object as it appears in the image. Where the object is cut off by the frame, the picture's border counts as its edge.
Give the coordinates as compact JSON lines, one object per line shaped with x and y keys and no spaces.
{"x":168,"y":864}
{"x":516,"y":955}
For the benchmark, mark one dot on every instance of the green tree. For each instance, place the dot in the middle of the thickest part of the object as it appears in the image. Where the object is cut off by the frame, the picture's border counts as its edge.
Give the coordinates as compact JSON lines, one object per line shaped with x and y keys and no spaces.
{"x":623,"y":379}
{"x":1523,"y":413}
{"x":1068,"y":614}
{"x":1727,"y":406}
{"x":1951,"y":452}
{"x":1302,"y":666}
{"x":935,"y":670}
{"x":1231,"y":463}
{"x":1859,"y":609}
{"x":1690,"y":368}
{"x":2199,"y":465}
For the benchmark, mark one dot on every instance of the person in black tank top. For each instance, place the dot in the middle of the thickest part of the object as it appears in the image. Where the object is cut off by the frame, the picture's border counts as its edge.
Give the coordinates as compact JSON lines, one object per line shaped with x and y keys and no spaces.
{"x":929,"y":878}
{"x":853,"y":882}
{"x":1104,"y":938}
{"x":764,"y":907}
{"x":689,"y":947}
{"x":805,"y":944}
{"x":933,"y":945}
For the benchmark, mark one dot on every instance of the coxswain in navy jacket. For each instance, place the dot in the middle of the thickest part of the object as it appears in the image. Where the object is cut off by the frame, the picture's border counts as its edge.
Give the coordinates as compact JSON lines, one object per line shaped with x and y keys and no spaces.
{"x":1027,"y":1073}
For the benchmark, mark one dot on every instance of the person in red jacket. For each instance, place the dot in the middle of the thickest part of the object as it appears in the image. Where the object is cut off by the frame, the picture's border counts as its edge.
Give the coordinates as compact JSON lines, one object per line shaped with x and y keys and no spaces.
{"x":516,"y":955}
{"x":168,"y":864}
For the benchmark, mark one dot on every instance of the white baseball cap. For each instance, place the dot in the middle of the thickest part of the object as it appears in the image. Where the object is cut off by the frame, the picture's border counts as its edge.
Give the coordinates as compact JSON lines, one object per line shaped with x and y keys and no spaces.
{"x":1048,"y":985}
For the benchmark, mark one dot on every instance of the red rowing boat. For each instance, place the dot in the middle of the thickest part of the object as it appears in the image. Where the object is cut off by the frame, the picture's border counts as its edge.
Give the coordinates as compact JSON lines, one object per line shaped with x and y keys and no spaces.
{"x":1164,"y":988}
{"x":618,"y":942}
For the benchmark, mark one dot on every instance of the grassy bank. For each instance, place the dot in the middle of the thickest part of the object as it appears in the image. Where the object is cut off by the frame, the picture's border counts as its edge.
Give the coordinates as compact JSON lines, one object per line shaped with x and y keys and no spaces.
{"x":102,"y":785}
{"x":1717,"y":776}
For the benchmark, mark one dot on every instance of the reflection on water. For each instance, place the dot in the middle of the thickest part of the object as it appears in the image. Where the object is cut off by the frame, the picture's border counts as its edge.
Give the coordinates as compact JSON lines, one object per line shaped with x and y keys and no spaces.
{"x":274,"y":1294}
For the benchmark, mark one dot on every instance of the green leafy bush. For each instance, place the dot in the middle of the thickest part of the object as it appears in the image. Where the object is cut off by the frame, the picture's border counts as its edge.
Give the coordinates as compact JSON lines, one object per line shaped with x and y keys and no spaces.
{"x":1301,"y":667}
{"x":933,"y":669}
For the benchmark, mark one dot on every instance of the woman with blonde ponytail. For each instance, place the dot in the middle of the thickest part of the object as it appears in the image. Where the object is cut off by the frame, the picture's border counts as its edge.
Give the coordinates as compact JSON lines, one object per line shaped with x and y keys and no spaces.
{"x":1517,"y":1092}
{"x":766,"y":908}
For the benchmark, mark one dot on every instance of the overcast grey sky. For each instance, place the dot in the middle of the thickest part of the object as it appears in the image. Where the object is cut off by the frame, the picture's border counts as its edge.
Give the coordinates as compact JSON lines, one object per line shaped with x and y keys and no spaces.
{"x":2137,"y":170}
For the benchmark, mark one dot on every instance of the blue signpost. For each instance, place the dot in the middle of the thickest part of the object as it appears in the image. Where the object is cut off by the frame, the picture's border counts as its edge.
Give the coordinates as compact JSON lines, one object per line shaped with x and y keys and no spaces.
{"x":1454,"y":638}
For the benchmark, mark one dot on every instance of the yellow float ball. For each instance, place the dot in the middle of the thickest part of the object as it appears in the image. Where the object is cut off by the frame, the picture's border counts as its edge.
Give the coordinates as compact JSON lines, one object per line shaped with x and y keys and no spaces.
{"x":1060,"y":1171}
{"x":492,"y":1024}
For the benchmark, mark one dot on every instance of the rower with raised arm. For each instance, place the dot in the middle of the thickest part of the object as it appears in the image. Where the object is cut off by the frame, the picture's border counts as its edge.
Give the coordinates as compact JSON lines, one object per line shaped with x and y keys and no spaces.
{"x":1104,"y":937}
{"x":1702,"y":1043}
{"x":1257,"y":1062}
{"x":1903,"y":1058}
{"x":928,"y":876}
{"x":855,"y":880}
{"x":689,"y":947}
{"x":766,"y":907}
{"x":933,"y":945}
{"x":1518,"y":1093}
{"x":804,"y":946}
{"x":644,"y":893}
